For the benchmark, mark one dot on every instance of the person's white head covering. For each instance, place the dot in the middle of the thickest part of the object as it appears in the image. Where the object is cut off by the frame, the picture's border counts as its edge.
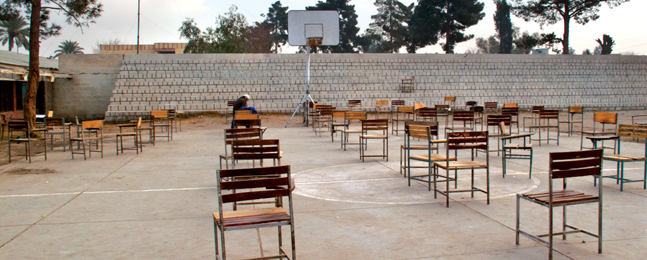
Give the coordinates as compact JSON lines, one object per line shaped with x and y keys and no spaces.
{"x":246,"y":96}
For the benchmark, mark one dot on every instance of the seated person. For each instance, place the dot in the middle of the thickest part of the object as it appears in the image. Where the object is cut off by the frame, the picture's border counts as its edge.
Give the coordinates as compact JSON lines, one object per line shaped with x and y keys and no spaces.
{"x":241,"y":103}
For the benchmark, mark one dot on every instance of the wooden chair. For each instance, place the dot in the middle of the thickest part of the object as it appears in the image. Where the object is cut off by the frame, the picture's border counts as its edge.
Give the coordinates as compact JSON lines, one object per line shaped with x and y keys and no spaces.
{"x":464,"y":141}
{"x":605,"y":119}
{"x":237,"y":134}
{"x":337,"y":122}
{"x":3,"y":122}
{"x":354,"y":103}
{"x":547,"y":120}
{"x":405,"y":146}
{"x":407,"y":85}
{"x":229,"y":109}
{"x":56,"y":126}
{"x":242,"y":112}
{"x":315,"y":114}
{"x":423,"y":132}
{"x":564,"y":165}
{"x":511,"y":150}
{"x":349,"y":118}
{"x":175,"y":119}
{"x":510,"y":105}
{"x":571,"y":120}
{"x":88,"y":128}
{"x":443,"y":111}
{"x":450,"y":101}
{"x":513,"y":112}
{"x":478,"y":116}
{"x":382,"y":107}
{"x":256,"y":150}
{"x":161,"y":121}
{"x":254,"y":184}
{"x":417,"y":106}
{"x":625,"y":130}
{"x":25,"y":137}
{"x":427,"y":114}
{"x":368,"y":129}
{"x":465,"y":117}
{"x":402,"y":113}
{"x":493,"y":123}
{"x":136,"y":134}
{"x":491,"y":107}
{"x":323,"y":120}
{"x":534,"y":117}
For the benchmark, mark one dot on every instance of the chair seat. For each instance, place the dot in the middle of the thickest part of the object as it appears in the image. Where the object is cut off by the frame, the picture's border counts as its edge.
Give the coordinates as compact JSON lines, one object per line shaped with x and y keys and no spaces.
{"x":126,"y":134}
{"x":374,"y":136}
{"x":252,"y":217}
{"x":518,"y":146}
{"x":562,"y":197}
{"x":461,"y":165}
{"x":432,"y":157}
{"x":439,"y":141}
{"x":419,"y":147}
{"x":623,"y":158}
{"x":351,"y":131}
{"x":598,"y":133}
{"x":458,"y":128}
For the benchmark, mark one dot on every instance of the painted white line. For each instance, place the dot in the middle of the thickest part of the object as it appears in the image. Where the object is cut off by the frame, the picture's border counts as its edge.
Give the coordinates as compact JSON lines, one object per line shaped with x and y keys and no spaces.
{"x":349,"y":181}
{"x":105,"y":192}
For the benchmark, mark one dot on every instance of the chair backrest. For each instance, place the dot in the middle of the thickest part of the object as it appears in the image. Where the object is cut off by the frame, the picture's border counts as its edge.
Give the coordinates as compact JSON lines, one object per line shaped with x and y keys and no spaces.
{"x":441,"y":106}
{"x":18,"y":126}
{"x":255,"y":149}
{"x":421,"y":129}
{"x":575,"y":164}
{"x":326,"y":111}
{"x":511,"y":111}
{"x":241,"y":134}
{"x":355,"y":115}
{"x":54,"y":122}
{"x":467,"y":140}
{"x":537,"y":109}
{"x":418,"y":106}
{"x":397,"y":102}
{"x":159,"y":114}
{"x":576,"y":109}
{"x":450,"y":98}
{"x":338,"y":113}
{"x":246,"y":117}
{"x":634,"y":131}
{"x":490,"y":105}
{"x":463,"y":116}
{"x":50,"y":113}
{"x":243,"y":112}
{"x":405,"y":109}
{"x":247,"y":123}
{"x":354,"y":103}
{"x":428,"y":112}
{"x":230,"y":103}
{"x":503,"y":130}
{"x":379,"y":103}
{"x":376,"y":125}
{"x":253,"y":184}
{"x":605,"y":117}
{"x":549,"y":114}
{"x":92,"y":124}
{"x":495,"y":120}
{"x":507,"y":105}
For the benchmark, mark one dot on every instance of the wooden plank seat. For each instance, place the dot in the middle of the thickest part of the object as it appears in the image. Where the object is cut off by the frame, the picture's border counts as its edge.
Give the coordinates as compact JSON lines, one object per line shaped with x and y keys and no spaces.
{"x":625,"y":130}
{"x":251,"y":184}
{"x":464,"y":141}
{"x":565,"y":165}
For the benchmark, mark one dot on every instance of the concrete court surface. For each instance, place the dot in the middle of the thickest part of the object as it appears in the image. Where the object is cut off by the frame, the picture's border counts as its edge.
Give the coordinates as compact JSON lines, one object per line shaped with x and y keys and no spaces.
{"x":158,"y":205}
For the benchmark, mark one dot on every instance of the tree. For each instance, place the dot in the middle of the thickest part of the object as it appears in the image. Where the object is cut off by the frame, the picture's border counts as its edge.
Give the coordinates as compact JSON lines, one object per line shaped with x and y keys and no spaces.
{"x":448,"y":18}
{"x":390,"y":23}
{"x":549,"y":12}
{"x":68,"y":47}
{"x":259,"y":38}
{"x":230,"y":35}
{"x":347,"y":25}
{"x":277,"y":20}
{"x":606,"y":45}
{"x":97,"y":47}
{"x":503,"y":26}
{"x":489,"y":46}
{"x":587,"y":52}
{"x":14,"y":32}
{"x":597,"y":50}
{"x":79,"y":13}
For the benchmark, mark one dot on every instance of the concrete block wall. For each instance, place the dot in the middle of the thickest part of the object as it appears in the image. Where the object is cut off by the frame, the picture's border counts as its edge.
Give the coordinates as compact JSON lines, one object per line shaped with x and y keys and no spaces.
{"x":205,"y":82}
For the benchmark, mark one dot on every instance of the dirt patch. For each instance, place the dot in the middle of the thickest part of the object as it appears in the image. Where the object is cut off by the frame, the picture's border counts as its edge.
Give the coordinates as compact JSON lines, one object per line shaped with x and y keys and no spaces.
{"x":25,"y":171}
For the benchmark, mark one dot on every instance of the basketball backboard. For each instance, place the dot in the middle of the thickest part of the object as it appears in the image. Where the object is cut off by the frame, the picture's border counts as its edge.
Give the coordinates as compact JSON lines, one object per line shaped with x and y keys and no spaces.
{"x":323,"y":25}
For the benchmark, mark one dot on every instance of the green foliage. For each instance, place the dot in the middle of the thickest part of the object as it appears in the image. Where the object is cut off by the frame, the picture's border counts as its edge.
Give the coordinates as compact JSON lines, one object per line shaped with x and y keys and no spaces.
{"x":503,"y":26}
{"x":489,"y":46}
{"x":347,"y":25}
{"x":15,"y":31}
{"x":68,"y":47}
{"x":277,"y":20}
{"x":390,"y":23}
{"x":606,"y":44}
{"x":445,"y":18}
{"x":527,"y":42}
{"x":548,"y":12}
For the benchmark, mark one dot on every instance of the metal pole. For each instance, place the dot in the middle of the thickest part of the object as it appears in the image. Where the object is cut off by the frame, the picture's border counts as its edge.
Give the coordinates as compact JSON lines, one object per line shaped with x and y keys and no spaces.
{"x":307,"y":80}
{"x":138,"y":14}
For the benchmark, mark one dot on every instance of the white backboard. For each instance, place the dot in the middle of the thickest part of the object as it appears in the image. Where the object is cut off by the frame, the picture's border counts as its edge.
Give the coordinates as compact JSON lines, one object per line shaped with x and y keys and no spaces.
{"x":304,"y":24}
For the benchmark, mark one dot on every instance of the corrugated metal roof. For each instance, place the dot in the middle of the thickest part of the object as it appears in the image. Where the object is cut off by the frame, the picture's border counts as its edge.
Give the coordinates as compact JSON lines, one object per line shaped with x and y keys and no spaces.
{"x":19,"y":59}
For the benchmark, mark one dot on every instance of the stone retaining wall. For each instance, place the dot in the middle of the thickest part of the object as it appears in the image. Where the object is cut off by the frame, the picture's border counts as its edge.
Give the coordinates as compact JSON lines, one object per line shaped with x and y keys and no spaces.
{"x":193,"y":82}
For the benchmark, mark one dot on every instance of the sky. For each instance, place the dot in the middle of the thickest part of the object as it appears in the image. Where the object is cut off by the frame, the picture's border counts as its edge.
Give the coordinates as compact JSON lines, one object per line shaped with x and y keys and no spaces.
{"x":160,"y":20}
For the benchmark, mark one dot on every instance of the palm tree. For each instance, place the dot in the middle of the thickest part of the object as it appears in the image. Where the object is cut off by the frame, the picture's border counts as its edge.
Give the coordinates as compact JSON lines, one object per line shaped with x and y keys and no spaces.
{"x":68,"y":47}
{"x":15,"y":32}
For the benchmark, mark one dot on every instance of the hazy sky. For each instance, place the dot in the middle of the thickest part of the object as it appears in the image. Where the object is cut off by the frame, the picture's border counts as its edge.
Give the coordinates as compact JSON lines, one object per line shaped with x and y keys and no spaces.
{"x":160,"y":20}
